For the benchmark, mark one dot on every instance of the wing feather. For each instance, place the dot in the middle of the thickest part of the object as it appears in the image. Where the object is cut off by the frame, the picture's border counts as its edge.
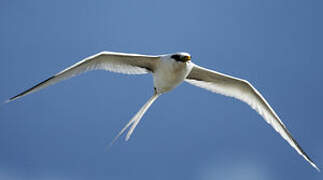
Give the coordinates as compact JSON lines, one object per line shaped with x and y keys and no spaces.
{"x":244,"y":91}
{"x":110,"y":61}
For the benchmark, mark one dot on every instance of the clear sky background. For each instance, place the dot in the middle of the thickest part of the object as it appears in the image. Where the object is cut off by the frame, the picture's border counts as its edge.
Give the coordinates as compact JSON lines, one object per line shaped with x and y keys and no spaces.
{"x":62,"y":132}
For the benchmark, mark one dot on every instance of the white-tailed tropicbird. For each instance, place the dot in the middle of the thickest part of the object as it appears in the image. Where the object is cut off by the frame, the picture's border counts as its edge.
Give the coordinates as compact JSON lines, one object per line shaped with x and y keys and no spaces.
{"x":168,"y":72}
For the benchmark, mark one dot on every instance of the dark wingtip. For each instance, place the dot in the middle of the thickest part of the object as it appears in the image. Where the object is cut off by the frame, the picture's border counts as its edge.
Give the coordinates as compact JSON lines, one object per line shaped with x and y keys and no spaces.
{"x":28,"y":90}
{"x":11,"y":99}
{"x":314,"y":165}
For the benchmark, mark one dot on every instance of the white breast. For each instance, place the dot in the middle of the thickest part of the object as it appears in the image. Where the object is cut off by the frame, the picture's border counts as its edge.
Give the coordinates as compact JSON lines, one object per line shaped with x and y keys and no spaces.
{"x":169,"y":74}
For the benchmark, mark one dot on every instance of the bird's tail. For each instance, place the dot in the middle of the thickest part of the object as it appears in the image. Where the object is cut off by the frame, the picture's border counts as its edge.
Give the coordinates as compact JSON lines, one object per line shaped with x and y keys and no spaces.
{"x":135,"y":120}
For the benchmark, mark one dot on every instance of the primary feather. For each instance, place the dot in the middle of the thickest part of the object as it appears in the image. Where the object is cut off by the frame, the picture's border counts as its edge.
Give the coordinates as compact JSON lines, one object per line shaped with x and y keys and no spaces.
{"x":244,"y":91}
{"x":110,"y":61}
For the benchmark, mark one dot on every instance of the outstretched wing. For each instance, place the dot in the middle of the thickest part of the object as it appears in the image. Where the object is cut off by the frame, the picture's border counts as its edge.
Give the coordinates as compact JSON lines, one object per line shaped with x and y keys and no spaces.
{"x":244,"y":91}
{"x":111,"y":61}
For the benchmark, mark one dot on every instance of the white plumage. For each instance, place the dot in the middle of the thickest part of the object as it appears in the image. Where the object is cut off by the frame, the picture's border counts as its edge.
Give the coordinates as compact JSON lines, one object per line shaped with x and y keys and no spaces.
{"x":168,"y":72}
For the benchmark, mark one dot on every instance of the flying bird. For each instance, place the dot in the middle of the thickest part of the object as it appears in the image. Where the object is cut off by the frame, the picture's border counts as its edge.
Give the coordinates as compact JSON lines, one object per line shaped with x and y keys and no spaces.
{"x":169,"y":71}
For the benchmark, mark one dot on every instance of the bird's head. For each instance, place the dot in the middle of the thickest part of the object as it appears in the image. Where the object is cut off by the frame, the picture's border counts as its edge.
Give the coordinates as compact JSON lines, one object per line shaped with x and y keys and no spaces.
{"x":181,"y":57}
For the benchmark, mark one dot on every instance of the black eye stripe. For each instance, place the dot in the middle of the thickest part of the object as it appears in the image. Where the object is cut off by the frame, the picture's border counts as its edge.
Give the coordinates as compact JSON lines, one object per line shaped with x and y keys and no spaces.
{"x":176,"y":57}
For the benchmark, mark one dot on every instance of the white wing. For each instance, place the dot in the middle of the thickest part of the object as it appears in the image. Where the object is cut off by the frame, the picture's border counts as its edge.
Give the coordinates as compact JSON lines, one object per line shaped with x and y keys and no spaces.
{"x":111,"y":61}
{"x":244,"y":91}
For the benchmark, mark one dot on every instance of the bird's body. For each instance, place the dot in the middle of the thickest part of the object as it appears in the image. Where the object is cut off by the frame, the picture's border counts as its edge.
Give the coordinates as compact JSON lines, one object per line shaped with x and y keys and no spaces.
{"x":168,"y":72}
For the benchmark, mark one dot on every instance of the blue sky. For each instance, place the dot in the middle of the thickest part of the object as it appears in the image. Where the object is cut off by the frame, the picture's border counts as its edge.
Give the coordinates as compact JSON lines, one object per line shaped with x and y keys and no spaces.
{"x":62,"y":132}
